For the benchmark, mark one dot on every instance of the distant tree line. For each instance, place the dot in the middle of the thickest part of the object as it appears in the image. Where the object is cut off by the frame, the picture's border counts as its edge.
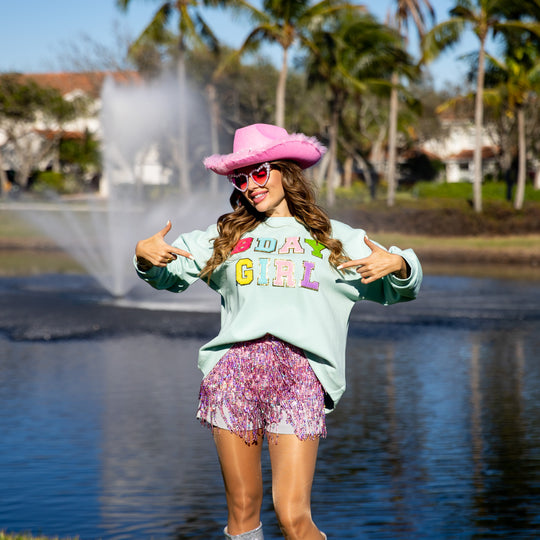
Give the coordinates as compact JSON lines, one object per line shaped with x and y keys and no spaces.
{"x":353,"y":83}
{"x":32,"y":120}
{"x":354,"y":57}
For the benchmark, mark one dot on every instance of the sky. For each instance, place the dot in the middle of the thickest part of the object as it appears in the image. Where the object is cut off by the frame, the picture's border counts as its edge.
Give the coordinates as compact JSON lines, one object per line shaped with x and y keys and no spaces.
{"x":35,"y":34}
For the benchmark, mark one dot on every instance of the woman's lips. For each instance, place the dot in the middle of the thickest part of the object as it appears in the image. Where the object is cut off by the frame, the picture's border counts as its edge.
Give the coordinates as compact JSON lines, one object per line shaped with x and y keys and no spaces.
{"x":259,"y":196}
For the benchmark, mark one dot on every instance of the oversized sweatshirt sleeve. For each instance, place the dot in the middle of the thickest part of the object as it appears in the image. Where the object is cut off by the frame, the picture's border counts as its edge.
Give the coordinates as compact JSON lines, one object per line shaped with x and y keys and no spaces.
{"x":179,"y":274}
{"x":400,"y":290}
{"x":389,"y":289}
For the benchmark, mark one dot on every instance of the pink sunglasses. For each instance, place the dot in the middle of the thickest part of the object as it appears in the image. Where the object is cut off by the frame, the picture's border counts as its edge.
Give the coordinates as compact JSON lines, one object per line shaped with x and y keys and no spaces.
{"x":260,"y":176}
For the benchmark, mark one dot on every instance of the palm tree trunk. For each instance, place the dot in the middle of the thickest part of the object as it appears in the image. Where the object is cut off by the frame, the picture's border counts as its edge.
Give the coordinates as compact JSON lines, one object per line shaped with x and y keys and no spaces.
{"x":332,"y":151}
{"x":478,"y":125}
{"x":321,"y":172}
{"x":182,"y":123}
{"x":376,"y":157}
{"x":392,"y":142}
{"x":280,"y":90}
{"x":348,"y":172}
{"x":522,"y":160}
{"x":22,"y":175}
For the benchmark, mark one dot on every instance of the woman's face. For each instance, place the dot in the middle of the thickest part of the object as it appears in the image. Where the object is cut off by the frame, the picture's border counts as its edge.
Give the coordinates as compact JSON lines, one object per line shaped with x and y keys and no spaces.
{"x":270,"y":198}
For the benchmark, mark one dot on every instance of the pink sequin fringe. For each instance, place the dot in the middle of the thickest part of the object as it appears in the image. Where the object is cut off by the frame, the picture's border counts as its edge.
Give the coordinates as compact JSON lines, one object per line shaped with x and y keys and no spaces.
{"x":261,"y":383}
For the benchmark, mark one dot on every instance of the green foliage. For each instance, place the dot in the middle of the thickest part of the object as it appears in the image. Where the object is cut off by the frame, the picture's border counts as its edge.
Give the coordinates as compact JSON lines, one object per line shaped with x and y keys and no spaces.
{"x":48,"y":180}
{"x":358,"y":192}
{"x":21,"y":100}
{"x":22,"y":103}
{"x":455,"y":190}
{"x":356,"y":53}
{"x":83,"y":153}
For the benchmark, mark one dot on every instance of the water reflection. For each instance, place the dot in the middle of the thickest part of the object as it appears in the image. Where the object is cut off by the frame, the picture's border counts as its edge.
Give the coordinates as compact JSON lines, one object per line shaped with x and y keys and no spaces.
{"x":158,"y":463}
{"x":437,"y":436}
{"x":506,"y":479}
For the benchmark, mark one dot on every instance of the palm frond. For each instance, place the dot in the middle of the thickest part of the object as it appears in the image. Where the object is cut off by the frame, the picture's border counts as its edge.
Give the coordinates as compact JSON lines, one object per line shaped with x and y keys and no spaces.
{"x":442,"y":36}
{"x":157,"y":31}
{"x":205,"y":34}
{"x":329,"y":7}
{"x":454,"y":102}
{"x":517,"y":27}
{"x":464,"y":12}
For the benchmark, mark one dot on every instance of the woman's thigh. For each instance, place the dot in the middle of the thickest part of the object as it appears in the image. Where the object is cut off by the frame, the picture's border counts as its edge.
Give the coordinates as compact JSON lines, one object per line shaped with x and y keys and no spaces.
{"x":293,"y":466}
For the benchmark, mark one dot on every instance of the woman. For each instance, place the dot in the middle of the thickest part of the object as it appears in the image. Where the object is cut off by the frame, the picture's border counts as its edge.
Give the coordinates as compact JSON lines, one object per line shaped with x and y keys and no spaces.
{"x":288,"y":277}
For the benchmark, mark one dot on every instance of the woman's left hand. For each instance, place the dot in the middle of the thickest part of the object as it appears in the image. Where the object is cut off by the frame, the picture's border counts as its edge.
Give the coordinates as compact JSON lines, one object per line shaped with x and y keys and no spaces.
{"x":378,"y":264}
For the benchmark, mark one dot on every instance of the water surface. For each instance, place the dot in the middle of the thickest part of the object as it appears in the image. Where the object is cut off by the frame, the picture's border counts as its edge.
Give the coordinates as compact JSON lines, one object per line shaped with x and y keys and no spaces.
{"x":436,"y":437}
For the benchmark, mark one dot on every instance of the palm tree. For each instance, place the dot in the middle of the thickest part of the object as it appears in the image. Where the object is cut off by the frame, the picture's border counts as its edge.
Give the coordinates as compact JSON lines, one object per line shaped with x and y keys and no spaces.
{"x":519,"y":75}
{"x":485,"y":18}
{"x":287,"y":22}
{"x":351,"y":56}
{"x":208,"y":68}
{"x":191,"y":29}
{"x":405,"y":10}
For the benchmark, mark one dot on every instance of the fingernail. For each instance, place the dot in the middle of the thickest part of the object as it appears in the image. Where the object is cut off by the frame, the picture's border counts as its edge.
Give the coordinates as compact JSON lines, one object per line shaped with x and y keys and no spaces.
{"x":191,"y":257}
{"x":340,"y":267}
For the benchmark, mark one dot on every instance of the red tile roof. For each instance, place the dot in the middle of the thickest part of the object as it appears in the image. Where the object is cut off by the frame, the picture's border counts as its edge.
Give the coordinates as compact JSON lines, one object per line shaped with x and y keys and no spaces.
{"x":467,"y":155}
{"x":50,"y":134}
{"x":90,"y":82}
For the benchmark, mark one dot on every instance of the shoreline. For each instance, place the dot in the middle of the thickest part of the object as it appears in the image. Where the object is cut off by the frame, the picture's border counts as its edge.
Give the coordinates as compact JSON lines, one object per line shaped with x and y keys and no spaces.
{"x":524,"y":249}
{"x":25,"y":250}
{"x":34,"y":257}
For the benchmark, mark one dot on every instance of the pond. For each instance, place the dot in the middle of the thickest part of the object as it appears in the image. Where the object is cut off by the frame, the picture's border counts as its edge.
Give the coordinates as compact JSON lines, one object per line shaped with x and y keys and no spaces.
{"x":436,"y":437}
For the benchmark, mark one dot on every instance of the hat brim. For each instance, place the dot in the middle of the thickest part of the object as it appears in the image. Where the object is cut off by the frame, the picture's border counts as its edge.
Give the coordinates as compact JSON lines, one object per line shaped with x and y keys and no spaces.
{"x":305,"y":151}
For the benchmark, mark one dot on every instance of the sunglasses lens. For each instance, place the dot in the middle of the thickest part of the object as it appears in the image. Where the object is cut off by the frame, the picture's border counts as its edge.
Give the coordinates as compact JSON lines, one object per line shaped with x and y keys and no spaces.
{"x":241,"y":182}
{"x":259,"y":175}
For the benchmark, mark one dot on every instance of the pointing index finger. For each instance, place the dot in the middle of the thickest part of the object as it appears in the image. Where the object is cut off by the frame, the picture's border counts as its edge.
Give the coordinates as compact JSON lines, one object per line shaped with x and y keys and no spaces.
{"x":181,"y":252}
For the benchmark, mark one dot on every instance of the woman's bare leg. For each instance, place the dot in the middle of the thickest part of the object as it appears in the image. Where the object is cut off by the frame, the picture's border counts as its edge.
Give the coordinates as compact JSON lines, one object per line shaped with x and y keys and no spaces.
{"x":293,"y":466}
{"x":242,"y":475}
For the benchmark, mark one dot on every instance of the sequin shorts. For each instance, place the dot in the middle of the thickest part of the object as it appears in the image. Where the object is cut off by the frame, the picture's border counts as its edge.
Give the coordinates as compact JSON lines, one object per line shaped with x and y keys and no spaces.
{"x":264,"y":385}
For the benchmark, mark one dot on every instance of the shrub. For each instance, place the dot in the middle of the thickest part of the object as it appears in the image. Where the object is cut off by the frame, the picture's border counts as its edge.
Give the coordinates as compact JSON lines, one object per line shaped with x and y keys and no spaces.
{"x":48,"y":180}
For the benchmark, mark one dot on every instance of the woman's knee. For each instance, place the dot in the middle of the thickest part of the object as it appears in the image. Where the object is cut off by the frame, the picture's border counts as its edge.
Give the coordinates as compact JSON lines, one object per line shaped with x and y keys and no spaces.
{"x":244,"y":504}
{"x":294,"y":518}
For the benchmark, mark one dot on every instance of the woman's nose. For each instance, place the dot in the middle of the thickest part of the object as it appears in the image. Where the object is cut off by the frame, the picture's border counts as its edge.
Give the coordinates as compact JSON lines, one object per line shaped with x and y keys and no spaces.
{"x":252,"y":184}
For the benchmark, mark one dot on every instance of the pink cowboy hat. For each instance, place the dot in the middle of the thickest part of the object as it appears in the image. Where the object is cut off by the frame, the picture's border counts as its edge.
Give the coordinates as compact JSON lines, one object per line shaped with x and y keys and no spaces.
{"x":258,"y":143}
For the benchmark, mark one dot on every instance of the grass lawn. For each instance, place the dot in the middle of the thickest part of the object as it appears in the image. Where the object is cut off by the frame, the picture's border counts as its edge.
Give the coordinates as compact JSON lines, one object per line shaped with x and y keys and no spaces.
{"x":512,"y":243}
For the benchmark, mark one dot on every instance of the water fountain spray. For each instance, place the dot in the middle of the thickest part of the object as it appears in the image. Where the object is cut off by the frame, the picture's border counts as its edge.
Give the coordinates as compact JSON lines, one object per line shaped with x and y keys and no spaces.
{"x":140,"y":188}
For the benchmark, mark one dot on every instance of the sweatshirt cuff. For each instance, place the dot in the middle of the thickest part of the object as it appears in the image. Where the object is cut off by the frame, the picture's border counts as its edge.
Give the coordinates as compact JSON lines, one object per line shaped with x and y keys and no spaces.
{"x":153,"y":271}
{"x":415,"y":271}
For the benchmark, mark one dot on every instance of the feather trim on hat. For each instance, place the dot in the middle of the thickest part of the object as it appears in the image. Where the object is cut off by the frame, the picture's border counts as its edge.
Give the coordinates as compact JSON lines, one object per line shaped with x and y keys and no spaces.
{"x":296,"y":147}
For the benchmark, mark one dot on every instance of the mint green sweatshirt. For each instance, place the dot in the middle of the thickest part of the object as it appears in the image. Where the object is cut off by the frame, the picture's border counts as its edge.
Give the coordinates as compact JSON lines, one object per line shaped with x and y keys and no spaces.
{"x":278,"y":281}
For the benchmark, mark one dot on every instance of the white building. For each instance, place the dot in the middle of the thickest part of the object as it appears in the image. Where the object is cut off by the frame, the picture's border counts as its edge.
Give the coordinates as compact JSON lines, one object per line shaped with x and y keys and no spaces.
{"x":456,"y":150}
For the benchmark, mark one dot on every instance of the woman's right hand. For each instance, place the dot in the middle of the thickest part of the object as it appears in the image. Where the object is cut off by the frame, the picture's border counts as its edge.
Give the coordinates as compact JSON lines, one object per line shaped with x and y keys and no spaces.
{"x":154,"y":251}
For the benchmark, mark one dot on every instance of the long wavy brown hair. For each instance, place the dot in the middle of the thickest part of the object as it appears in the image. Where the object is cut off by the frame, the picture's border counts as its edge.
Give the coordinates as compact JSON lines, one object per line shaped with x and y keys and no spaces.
{"x":301,"y":201}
